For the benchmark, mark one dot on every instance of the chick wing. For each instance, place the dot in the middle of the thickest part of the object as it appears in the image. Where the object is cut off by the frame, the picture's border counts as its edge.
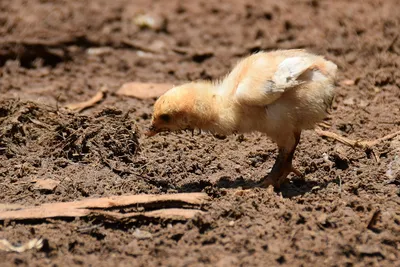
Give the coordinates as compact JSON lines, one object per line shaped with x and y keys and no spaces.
{"x":264,"y":77}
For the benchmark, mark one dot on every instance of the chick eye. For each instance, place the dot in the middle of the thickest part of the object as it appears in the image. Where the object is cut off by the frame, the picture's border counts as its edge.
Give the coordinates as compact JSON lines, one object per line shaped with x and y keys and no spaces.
{"x":165,"y":117}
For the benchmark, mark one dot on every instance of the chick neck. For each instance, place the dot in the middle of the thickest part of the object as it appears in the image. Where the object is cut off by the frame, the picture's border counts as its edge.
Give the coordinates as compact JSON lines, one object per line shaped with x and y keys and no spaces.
{"x":205,"y":113}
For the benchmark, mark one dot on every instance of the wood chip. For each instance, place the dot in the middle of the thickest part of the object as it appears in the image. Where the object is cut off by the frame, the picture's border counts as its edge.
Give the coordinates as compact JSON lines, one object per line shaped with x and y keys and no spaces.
{"x":94,"y":206}
{"x":370,"y":250}
{"x":349,"y":101}
{"x":347,"y":82}
{"x":99,"y":51}
{"x":46,"y":184}
{"x":144,"y":90}
{"x":36,"y":243}
{"x":141,"y":234}
{"x":374,"y":218}
{"x":148,"y":21}
{"x":165,"y":214}
{"x":322,"y":219}
{"x":4,"y":207}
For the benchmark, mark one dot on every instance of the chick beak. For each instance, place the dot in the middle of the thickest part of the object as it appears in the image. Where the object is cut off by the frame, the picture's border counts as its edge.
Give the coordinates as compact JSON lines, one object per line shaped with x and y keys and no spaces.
{"x":152,"y":131}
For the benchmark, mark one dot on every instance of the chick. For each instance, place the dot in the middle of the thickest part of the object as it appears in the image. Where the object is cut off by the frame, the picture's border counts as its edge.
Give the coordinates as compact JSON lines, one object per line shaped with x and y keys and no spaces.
{"x":279,"y":93}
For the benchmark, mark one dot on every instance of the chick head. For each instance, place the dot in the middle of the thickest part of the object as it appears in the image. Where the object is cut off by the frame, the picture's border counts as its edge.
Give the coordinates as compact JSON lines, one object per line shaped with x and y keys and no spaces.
{"x":173,"y":111}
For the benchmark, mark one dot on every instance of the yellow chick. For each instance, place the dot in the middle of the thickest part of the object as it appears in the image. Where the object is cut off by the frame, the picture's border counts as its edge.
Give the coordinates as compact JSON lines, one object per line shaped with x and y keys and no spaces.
{"x":279,"y":93}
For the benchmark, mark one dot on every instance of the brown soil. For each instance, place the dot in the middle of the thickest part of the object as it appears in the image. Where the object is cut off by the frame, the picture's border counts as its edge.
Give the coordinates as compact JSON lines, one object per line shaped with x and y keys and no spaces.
{"x":48,"y":59}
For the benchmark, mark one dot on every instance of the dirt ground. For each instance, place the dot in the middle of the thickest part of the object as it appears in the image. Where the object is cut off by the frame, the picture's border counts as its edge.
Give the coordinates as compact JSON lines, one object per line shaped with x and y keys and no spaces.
{"x":53,"y":53}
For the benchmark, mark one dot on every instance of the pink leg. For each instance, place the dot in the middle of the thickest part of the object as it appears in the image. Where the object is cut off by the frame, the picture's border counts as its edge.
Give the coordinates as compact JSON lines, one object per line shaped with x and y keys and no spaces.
{"x":283,"y":164}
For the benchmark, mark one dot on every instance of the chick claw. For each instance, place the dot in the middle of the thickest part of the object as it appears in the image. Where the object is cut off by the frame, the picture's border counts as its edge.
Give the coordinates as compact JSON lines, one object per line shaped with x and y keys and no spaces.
{"x":283,"y":166}
{"x":279,"y":177}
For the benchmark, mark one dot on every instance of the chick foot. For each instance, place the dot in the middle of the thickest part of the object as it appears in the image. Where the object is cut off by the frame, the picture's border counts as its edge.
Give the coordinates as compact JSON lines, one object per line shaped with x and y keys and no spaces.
{"x":283,"y":166}
{"x":278,"y":177}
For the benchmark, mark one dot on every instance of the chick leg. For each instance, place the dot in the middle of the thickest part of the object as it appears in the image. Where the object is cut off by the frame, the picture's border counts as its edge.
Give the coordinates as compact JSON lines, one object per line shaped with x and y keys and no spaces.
{"x":283,"y":164}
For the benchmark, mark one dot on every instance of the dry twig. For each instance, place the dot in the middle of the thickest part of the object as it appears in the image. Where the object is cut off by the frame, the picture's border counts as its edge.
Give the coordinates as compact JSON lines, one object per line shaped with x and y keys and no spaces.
{"x":89,"y":103}
{"x":362,"y":144}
